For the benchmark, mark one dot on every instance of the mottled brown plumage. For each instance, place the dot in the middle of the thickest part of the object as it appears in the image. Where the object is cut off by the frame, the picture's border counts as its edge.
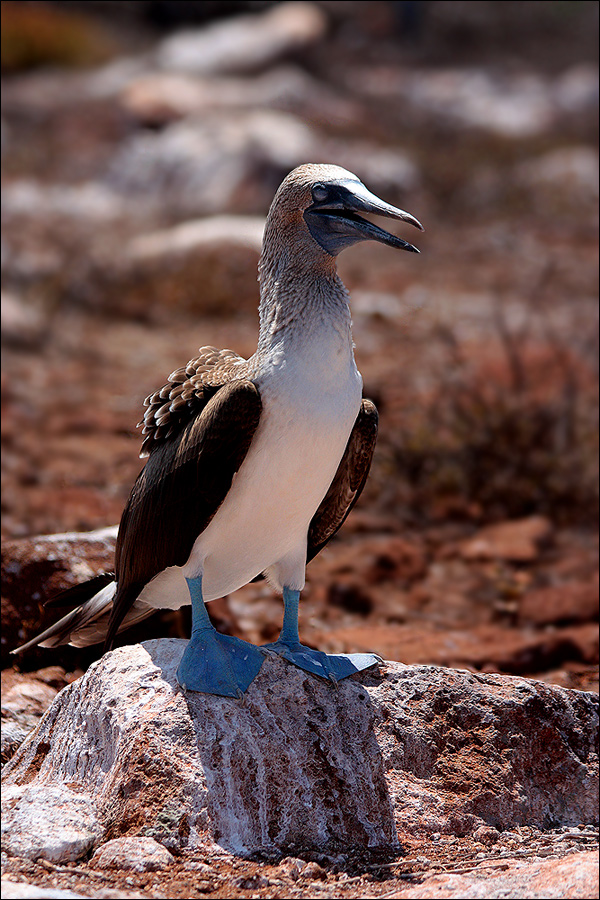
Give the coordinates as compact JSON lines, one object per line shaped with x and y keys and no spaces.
{"x":186,"y":393}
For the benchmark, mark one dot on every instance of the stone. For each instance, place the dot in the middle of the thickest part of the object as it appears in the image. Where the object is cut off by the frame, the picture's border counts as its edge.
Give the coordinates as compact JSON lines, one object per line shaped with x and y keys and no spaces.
{"x":22,"y":890}
{"x":298,"y":764}
{"x":572,"y":171}
{"x":206,"y":264}
{"x":28,"y":696}
{"x":23,"y":325}
{"x":136,"y":854}
{"x":519,"y":540}
{"x":570,"y":602}
{"x":57,"y":823}
{"x":34,"y":569}
{"x":513,"y":106}
{"x":211,"y":164}
{"x":25,"y":699}
{"x":14,"y":731}
{"x":243,"y":43}
{"x":486,"y":835}
{"x":216,"y":162}
{"x":90,"y":205}
{"x":510,"y":650}
{"x":158,"y":98}
{"x":571,"y":878}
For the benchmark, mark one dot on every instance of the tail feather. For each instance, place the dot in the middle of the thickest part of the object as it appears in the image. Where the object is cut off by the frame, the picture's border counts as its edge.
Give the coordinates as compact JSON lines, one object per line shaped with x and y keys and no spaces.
{"x":89,"y":623}
{"x":79,"y":593}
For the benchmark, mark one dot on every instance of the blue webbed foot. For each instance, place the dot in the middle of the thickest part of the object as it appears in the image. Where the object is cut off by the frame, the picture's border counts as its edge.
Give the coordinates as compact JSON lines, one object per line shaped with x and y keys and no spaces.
{"x":332,"y":666}
{"x":214,"y":663}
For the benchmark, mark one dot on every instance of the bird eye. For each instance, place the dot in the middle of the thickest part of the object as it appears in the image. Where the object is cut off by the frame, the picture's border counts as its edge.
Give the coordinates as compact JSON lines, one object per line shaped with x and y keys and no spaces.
{"x":319,"y":192}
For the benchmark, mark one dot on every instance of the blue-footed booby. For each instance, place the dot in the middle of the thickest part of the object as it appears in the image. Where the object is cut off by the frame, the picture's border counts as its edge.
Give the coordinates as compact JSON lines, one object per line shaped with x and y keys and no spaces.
{"x":253,"y":464}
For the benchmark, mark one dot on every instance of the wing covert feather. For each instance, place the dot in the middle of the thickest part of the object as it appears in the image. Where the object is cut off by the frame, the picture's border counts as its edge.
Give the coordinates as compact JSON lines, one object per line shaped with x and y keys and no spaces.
{"x":186,"y":393}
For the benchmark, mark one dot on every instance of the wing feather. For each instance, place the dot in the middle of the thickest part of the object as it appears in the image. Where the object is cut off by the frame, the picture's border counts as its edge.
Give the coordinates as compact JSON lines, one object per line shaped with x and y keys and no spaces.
{"x":178,"y":492}
{"x":348,"y":483}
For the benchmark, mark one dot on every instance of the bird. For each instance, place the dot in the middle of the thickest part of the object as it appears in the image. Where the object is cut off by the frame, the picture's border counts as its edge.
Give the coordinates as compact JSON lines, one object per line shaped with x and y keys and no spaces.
{"x":252,"y":464}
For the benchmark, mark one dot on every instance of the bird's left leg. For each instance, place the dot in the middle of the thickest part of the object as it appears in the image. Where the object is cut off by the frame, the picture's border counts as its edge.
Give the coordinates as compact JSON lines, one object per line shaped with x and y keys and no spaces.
{"x":334,"y":667}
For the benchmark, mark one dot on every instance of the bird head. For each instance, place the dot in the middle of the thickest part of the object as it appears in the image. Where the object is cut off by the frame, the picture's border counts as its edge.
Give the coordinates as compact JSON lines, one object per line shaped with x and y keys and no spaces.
{"x":325,"y":201}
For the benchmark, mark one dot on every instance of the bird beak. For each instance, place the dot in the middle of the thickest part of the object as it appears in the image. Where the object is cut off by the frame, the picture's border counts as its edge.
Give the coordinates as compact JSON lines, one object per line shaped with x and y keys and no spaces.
{"x":335,"y":225}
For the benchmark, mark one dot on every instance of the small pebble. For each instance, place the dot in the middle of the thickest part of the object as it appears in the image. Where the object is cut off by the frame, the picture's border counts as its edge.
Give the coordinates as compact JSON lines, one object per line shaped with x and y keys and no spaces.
{"x":314,"y":871}
{"x":251,"y":882}
{"x":485,"y":834}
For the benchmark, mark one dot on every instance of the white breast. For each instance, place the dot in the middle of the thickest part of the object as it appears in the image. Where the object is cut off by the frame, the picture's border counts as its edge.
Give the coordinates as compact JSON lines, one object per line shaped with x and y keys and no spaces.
{"x":310,"y":399}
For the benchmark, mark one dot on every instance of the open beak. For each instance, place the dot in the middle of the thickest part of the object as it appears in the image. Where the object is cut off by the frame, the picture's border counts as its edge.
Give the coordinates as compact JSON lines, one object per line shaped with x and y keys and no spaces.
{"x":335,"y":224}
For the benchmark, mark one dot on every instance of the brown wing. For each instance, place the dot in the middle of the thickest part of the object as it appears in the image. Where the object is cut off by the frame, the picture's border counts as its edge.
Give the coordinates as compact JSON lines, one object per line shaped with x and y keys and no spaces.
{"x":187,"y":392}
{"x":349,"y":480}
{"x":184,"y":482}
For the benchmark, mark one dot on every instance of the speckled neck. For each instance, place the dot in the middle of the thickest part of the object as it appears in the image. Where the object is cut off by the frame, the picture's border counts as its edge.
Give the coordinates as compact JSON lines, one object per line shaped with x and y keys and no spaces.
{"x":300,"y":289}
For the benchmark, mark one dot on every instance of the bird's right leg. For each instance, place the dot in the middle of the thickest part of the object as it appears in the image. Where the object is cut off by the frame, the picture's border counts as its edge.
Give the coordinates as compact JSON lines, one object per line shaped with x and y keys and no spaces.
{"x":214,"y":663}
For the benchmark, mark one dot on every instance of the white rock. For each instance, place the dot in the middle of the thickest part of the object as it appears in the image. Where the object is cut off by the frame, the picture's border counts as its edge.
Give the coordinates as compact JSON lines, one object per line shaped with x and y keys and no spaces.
{"x":51,"y":822}
{"x":22,"y":890}
{"x":217,"y":162}
{"x":569,"y":170}
{"x":137,"y":854}
{"x":243,"y":43}
{"x":162,"y":97}
{"x":200,"y":167}
{"x":192,"y":236}
{"x":574,"y":877}
{"x":298,"y":763}
{"x":91,"y":202}
{"x":516,"y":105}
{"x":23,"y":325}
{"x":576,"y":90}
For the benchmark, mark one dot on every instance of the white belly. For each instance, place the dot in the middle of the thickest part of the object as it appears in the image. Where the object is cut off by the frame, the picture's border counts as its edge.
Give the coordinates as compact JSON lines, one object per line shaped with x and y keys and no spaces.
{"x":264,"y":519}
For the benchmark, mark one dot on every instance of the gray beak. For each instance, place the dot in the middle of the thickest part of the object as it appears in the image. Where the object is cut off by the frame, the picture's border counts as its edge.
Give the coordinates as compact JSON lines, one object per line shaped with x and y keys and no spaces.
{"x":334,"y":223}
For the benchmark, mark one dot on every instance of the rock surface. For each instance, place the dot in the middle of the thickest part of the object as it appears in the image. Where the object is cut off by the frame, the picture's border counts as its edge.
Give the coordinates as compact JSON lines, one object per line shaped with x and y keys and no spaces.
{"x":25,"y":891}
{"x":575,"y":877}
{"x":210,"y":262}
{"x":34,"y":569}
{"x":25,"y":699}
{"x":298,"y":765}
{"x":244,"y":43}
{"x":518,"y":540}
{"x":138,"y":854}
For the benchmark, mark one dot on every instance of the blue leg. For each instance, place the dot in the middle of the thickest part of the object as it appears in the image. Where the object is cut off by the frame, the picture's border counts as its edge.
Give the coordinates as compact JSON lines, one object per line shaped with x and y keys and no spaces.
{"x":215,"y":663}
{"x":331,"y":666}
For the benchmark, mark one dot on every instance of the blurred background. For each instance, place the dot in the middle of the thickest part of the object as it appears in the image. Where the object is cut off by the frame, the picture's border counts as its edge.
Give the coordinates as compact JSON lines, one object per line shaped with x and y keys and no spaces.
{"x":142,"y":143}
